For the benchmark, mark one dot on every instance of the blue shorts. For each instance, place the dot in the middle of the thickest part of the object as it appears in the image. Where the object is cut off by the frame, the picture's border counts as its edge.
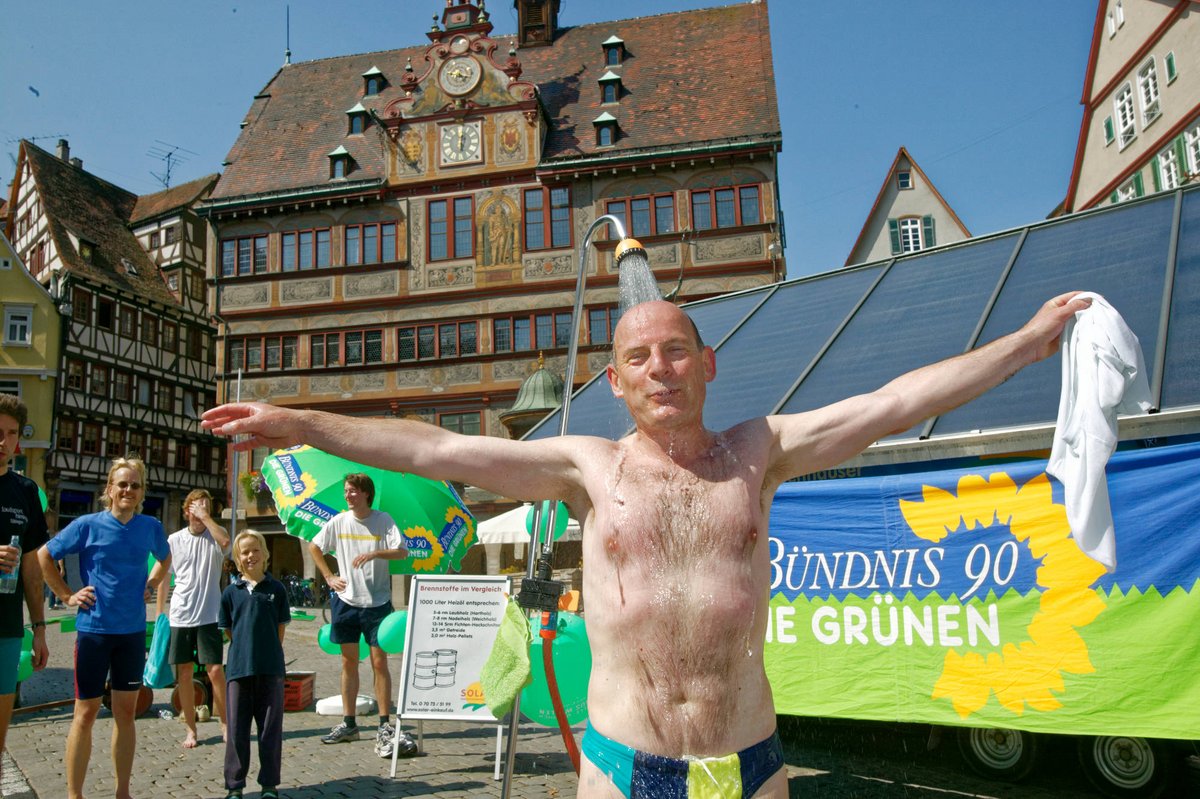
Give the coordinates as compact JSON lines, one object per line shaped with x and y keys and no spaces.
{"x":10,"y":656}
{"x":120,"y":658}
{"x":347,"y":622}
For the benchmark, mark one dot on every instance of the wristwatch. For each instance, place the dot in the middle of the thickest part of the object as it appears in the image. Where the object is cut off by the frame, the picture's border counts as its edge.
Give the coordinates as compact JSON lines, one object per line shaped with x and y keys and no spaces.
{"x":33,"y":625}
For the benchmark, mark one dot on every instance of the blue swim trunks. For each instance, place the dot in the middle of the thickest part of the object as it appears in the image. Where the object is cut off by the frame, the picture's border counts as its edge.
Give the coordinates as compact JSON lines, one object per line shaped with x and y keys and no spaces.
{"x":640,"y":775}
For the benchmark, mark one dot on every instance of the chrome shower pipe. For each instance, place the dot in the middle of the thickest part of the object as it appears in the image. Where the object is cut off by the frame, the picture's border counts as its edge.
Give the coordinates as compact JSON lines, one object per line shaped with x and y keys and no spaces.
{"x":577,"y":314}
{"x":536,"y":544}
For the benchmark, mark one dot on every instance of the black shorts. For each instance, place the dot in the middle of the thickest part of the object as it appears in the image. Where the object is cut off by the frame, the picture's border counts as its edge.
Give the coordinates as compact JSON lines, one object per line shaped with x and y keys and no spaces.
{"x":201,"y":645}
{"x":99,"y":654}
{"x":347,"y":622}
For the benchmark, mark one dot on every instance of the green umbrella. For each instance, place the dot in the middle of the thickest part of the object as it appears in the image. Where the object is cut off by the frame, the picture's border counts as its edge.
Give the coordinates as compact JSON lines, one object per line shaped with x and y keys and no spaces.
{"x":306,"y":484}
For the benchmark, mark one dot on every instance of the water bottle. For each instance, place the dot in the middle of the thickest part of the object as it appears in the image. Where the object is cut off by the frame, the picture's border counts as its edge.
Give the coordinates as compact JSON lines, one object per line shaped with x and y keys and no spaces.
{"x":166,"y":715}
{"x":8,"y":580}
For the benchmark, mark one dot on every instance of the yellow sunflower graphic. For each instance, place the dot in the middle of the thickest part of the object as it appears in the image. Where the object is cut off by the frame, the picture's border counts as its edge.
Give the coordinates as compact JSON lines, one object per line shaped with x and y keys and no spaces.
{"x":1027,"y":673}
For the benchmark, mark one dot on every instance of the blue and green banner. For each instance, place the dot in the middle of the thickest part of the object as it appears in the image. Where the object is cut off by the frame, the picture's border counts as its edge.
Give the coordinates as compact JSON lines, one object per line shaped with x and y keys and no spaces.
{"x":959,"y":597}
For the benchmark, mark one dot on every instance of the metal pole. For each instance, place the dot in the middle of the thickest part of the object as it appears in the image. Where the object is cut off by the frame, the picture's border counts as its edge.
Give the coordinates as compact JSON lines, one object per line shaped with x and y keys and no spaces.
{"x":535,"y":535}
{"x":233,"y":500}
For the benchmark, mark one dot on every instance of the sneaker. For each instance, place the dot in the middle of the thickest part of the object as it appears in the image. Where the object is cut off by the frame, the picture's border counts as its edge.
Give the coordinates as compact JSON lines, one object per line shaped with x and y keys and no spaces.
{"x":405,"y":745}
{"x":384,"y":740}
{"x":341,"y":734}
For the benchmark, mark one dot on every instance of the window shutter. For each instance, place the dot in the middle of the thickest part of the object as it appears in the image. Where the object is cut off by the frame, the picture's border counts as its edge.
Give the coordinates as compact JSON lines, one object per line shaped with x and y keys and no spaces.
{"x":1156,"y":173}
{"x":1181,"y":159}
{"x":1171,"y":73}
{"x":894,"y":232}
{"x":1108,"y":130}
{"x":1138,"y":188}
{"x":927,"y":231}
{"x":1115,"y":198}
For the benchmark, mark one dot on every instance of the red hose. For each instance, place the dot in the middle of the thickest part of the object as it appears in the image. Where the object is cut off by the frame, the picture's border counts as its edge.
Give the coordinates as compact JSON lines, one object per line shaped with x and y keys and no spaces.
{"x":548,"y":636}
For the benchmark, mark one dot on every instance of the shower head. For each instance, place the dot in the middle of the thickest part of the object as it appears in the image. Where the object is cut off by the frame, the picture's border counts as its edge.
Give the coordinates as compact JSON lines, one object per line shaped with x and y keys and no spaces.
{"x":626,"y":247}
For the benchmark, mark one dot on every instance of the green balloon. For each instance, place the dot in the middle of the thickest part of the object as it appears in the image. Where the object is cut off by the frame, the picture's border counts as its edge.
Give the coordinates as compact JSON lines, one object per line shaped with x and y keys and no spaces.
{"x":25,"y":666}
{"x":392,"y":630}
{"x":561,"y":517}
{"x":27,"y":641}
{"x":572,"y":669}
{"x":42,"y":498}
{"x":329,"y":647}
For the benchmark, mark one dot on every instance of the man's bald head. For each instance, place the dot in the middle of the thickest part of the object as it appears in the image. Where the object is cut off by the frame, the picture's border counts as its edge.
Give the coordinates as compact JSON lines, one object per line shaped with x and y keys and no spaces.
{"x":645,"y":310}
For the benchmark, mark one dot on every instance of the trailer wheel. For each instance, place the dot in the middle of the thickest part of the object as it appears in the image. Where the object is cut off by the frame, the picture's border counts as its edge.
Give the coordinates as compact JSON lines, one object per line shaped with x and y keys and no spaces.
{"x":1122,"y":766}
{"x":999,"y":754}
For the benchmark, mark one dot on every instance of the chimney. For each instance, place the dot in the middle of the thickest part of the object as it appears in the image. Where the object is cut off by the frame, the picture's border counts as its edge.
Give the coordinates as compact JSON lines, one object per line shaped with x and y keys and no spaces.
{"x":64,"y":150}
{"x":77,"y":163}
{"x":537,"y":22}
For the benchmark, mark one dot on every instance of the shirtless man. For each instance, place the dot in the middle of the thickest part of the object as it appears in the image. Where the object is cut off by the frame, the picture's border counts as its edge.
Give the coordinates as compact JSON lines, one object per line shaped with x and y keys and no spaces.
{"x":676,"y":521}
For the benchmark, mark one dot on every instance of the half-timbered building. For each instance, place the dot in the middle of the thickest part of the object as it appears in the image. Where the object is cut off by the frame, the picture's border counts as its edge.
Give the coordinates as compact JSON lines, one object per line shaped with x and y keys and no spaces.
{"x":136,"y":363}
{"x":398,"y":232}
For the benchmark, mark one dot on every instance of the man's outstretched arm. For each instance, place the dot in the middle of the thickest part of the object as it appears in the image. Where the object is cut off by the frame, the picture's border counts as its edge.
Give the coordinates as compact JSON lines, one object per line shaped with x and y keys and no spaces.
{"x":517,"y":469}
{"x":825,"y":437}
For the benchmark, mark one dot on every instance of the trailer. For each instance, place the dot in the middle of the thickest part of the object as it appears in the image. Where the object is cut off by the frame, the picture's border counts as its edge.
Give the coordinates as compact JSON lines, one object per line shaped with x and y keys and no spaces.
{"x":955,"y":596}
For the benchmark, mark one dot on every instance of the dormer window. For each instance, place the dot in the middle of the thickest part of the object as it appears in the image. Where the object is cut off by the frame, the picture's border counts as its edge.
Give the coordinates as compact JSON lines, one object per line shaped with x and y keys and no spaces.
{"x":614,"y":51}
{"x":358,"y":118}
{"x":606,"y":130}
{"x":128,"y":266}
{"x":340,"y":163}
{"x":373,"y":82}
{"x":86,"y":251}
{"x":610,"y":87}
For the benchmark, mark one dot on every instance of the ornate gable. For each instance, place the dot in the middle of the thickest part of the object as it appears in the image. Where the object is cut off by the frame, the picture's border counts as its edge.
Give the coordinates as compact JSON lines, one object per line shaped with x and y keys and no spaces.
{"x":459,"y":99}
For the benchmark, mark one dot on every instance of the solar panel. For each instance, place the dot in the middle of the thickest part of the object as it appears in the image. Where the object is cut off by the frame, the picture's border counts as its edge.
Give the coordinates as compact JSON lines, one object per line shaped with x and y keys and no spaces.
{"x":759,"y":364}
{"x":1181,"y":384}
{"x":924,"y":310}
{"x":926,"y":307}
{"x":1119,"y":253}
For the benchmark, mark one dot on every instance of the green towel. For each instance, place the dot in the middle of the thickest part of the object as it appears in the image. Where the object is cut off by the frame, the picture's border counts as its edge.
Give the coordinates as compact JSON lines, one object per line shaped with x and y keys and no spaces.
{"x":506,"y":671}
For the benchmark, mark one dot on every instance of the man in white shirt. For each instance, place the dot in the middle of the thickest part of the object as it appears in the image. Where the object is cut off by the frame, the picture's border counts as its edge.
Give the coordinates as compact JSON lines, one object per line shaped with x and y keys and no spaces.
{"x":198,"y":553}
{"x":363,"y":540}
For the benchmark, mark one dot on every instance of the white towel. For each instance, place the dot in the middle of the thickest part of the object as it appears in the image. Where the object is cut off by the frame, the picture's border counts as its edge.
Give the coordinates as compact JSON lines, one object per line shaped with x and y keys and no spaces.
{"x":1103,"y":374}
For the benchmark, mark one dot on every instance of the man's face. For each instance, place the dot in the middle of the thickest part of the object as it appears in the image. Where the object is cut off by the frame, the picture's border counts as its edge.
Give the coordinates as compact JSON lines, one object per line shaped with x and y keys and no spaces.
{"x":658,"y":367}
{"x":197,"y":510}
{"x":10,"y":433}
{"x":356,"y":500}
{"x":125,"y":492}
{"x":250,"y":556}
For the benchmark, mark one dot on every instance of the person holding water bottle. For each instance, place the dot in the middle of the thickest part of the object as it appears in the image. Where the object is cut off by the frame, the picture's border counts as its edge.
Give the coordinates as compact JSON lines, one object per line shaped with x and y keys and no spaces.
{"x":23,"y":528}
{"x":110,"y":640}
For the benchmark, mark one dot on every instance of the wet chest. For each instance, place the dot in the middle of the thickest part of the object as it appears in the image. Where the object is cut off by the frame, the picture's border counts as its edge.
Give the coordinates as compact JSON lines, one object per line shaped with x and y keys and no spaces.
{"x":669,"y":518}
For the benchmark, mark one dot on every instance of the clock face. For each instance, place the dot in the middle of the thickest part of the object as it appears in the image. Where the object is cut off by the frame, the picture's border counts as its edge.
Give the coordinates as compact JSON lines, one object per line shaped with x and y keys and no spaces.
{"x":461,"y":143}
{"x":460,"y":75}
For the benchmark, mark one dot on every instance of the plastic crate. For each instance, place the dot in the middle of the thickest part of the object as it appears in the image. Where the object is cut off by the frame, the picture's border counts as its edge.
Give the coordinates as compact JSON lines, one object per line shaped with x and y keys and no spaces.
{"x":298,"y":690}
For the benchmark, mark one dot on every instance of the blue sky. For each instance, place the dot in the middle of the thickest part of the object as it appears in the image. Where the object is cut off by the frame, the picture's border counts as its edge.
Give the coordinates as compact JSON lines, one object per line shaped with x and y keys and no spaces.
{"x":985,"y":96}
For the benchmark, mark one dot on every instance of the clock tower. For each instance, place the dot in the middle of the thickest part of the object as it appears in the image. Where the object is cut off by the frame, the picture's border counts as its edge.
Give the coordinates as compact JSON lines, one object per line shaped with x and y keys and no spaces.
{"x":464,"y":109}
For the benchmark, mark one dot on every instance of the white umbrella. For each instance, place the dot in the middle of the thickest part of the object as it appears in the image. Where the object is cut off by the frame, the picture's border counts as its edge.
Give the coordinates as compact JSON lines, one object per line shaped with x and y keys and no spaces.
{"x":509,"y":528}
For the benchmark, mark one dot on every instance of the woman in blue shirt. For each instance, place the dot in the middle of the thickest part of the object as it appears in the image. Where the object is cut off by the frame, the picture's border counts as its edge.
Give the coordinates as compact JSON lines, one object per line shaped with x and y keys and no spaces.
{"x":110,"y":641}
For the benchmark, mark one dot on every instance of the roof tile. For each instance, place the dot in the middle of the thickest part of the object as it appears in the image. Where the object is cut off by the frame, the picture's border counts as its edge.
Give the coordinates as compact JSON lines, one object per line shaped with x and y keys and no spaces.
{"x":690,"y":76}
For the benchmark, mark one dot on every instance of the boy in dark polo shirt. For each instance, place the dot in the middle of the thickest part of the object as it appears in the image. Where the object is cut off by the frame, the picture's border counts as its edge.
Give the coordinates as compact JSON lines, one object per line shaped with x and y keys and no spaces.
{"x":254,"y":610}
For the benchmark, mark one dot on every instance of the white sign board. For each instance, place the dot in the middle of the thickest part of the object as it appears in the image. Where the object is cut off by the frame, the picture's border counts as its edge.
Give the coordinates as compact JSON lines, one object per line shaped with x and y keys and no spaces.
{"x":452,"y":624}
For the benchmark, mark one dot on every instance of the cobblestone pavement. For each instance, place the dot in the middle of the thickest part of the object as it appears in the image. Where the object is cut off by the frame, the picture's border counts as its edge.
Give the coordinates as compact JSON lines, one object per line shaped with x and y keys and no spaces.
{"x":458,"y":759}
